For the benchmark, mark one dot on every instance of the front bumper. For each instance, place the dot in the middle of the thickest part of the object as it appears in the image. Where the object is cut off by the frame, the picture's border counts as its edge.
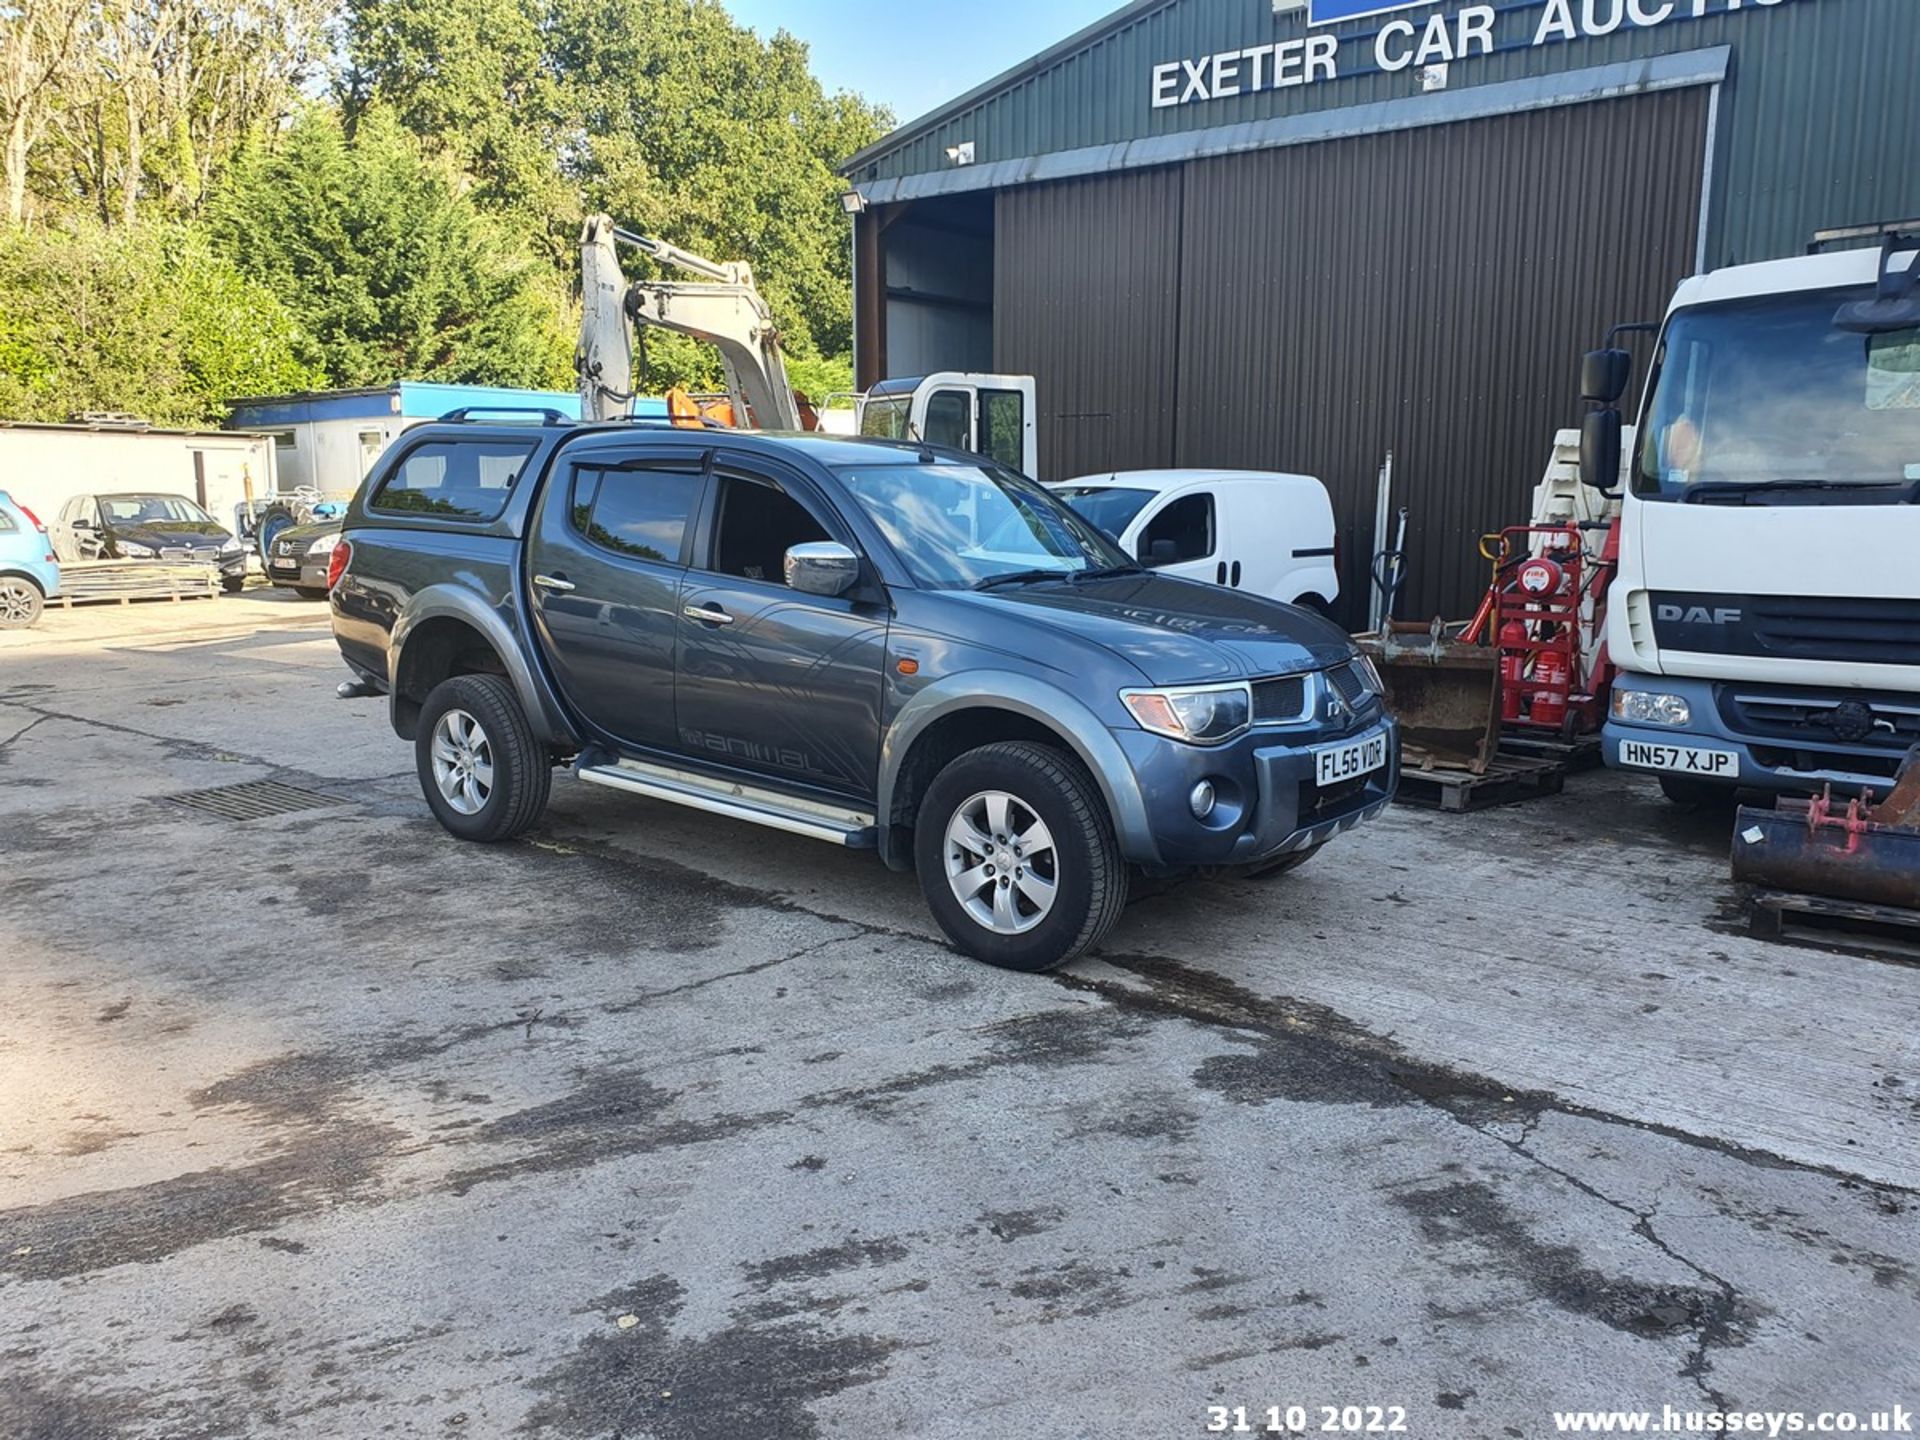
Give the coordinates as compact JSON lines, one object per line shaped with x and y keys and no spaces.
{"x":1768,"y":763}
{"x":1269,"y":801}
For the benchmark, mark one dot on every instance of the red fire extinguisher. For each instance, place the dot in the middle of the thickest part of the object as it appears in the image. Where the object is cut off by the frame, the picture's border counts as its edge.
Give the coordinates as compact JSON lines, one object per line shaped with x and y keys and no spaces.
{"x":1513,"y":669}
{"x":1553,"y":679}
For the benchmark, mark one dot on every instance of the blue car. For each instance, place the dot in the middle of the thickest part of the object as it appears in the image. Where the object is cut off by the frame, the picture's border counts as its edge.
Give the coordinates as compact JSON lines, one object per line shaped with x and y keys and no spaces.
{"x":29,"y":574}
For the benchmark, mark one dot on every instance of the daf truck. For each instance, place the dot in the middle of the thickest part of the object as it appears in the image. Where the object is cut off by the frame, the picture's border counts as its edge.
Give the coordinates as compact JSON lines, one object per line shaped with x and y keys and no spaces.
{"x":1766,"y":617}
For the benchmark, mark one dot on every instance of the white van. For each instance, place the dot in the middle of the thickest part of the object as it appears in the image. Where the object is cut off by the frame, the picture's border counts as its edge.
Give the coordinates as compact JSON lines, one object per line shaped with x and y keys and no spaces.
{"x":1254,"y":530}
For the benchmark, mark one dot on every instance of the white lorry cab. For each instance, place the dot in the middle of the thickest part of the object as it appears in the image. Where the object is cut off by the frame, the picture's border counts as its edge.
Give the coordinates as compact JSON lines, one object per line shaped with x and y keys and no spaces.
{"x":1766,"y":616}
{"x":1261,"y":531}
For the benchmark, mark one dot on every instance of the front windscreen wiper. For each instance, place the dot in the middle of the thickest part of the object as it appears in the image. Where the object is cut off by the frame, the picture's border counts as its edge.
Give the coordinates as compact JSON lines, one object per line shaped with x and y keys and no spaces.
{"x":1109,"y":572}
{"x":1022,"y":577}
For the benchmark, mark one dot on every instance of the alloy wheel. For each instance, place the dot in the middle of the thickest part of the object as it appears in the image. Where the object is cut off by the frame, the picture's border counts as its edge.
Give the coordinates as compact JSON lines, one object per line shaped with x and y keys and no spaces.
{"x":1001,"y":863}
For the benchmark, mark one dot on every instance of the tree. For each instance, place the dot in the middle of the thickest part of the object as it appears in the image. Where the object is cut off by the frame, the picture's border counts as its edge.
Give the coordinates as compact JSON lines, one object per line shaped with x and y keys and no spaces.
{"x":148,"y":321}
{"x":667,"y":114}
{"x":388,"y":264}
{"x":38,"y":40}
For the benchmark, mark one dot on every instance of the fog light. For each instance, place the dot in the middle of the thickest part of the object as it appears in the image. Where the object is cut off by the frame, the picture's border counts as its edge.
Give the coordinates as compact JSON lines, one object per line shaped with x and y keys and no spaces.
{"x":1202,"y":800}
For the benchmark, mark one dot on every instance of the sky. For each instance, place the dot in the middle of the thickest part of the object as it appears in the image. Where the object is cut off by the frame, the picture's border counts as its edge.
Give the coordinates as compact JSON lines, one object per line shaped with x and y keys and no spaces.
{"x":912,"y":55}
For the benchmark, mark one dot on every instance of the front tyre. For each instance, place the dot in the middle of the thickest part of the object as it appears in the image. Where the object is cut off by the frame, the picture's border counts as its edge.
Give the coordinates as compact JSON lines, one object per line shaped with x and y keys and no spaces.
{"x":233,"y":584}
{"x":1017,"y":857}
{"x":20,"y":602}
{"x":484,"y":773}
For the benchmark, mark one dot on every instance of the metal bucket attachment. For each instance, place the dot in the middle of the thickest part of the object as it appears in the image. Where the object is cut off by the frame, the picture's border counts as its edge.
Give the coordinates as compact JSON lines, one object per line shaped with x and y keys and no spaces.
{"x":1445,"y":694}
{"x":1859,"y":851}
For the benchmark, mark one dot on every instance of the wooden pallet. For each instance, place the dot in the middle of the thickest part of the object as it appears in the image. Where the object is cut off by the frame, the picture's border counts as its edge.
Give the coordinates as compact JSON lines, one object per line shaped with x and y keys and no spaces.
{"x":1509,"y":779}
{"x":1579,"y":754}
{"x":98,"y":582}
{"x":1822,"y":920}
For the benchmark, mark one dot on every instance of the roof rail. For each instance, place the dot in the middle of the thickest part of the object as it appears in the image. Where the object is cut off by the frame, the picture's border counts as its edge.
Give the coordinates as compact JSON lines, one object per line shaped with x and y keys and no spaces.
{"x":1850,"y":234}
{"x":466,"y":413}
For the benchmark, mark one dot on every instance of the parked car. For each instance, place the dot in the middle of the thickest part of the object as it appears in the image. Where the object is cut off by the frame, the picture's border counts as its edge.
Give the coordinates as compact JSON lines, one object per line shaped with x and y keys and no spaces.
{"x":1265,"y":532}
{"x":882,"y":645}
{"x":296,"y":557}
{"x":149,"y":526}
{"x":29,"y":573}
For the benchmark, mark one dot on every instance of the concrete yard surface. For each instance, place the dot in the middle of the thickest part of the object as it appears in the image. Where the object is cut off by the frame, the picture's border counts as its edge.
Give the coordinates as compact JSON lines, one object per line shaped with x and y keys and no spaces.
{"x":325,"y":1124}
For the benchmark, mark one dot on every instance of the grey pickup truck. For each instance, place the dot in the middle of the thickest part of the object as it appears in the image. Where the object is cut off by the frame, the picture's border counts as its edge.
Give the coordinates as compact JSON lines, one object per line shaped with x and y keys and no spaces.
{"x":881,"y":645}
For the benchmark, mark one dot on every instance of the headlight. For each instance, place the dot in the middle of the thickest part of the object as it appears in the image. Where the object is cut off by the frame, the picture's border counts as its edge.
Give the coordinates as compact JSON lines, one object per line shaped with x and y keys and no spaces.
{"x":137,"y":552}
{"x":322,"y":546}
{"x":1200,"y":715}
{"x":1368,"y":671}
{"x":1646,"y":707}
{"x":231,"y":552}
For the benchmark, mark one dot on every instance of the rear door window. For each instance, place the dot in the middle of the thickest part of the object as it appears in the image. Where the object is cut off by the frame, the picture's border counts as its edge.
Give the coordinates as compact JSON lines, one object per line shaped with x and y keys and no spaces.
{"x":454,"y":479}
{"x":640,"y":511}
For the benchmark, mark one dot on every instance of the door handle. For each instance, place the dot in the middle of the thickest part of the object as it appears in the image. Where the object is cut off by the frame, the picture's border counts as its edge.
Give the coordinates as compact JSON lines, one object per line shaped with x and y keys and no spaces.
{"x":555,"y":583}
{"x":707,"y":614}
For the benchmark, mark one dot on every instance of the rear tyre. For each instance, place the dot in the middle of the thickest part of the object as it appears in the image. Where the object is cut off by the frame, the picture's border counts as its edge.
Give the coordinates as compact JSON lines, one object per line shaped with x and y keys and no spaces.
{"x":20,"y":602}
{"x":310,"y":592}
{"x":1696,"y":794}
{"x":1017,"y":857}
{"x":484,"y":773}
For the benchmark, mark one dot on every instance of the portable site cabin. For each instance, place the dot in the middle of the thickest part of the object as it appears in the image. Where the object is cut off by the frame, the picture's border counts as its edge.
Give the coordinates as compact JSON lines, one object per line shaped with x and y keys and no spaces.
{"x":328,"y":440}
{"x":44,"y":466}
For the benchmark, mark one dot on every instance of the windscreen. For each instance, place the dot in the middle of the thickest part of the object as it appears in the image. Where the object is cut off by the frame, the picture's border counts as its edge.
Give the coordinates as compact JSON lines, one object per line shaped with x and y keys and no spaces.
{"x":1108,"y":506}
{"x":1768,"y":401}
{"x":886,"y":417}
{"x":153,"y":510}
{"x":957,"y":525}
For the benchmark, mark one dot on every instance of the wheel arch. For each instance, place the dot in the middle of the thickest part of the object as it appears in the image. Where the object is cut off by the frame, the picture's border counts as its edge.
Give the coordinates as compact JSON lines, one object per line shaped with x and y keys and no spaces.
{"x":951,"y":717}
{"x":448,"y":631}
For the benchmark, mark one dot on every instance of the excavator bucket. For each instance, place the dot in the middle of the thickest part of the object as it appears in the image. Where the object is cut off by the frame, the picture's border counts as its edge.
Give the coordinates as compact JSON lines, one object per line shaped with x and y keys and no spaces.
{"x":1856,"y":852}
{"x":1446,"y":695}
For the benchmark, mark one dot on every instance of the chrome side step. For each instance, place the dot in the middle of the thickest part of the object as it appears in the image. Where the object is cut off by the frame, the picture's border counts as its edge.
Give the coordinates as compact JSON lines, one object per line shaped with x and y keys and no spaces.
{"x":836,"y":825}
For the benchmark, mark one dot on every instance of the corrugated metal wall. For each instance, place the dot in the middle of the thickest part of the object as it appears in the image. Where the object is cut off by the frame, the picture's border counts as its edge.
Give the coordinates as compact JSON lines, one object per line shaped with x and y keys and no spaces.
{"x":1085,"y":302}
{"x":1816,"y":121}
{"x":1428,"y":292}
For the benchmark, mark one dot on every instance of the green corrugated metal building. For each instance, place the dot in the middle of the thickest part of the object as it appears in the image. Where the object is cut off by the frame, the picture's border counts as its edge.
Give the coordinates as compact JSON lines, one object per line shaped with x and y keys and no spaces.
{"x":1300,"y":234}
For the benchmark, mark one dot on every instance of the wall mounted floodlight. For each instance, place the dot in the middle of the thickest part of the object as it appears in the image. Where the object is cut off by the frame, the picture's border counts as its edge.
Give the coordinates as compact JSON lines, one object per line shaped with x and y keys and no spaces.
{"x":961,"y":154}
{"x":854,"y":203}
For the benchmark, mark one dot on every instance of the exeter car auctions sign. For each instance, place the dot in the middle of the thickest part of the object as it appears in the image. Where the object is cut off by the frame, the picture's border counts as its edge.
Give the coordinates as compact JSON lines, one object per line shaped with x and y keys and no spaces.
{"x":1401,"y":42}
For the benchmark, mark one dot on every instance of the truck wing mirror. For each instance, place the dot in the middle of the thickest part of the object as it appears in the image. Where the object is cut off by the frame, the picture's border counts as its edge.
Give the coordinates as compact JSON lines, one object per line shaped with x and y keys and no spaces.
{"x":821,"y":567}
{"x":1600,"y":450}
{"x":1604,"y":375}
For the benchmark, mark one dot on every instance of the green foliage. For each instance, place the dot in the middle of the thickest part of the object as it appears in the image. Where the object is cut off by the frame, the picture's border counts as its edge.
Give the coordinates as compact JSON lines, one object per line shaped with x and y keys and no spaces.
{"x":148,"y":321}
{"x":391,"y":268}
{"x":187,"y":224}
{"x":820,"y":377}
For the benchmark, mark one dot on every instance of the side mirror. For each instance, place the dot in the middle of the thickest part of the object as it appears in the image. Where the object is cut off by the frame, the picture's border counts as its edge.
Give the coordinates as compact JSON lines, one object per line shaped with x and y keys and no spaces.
{"x":1600,"y":450}
{"x":821,"y":567}
{"x":82,"y":525}
{"x":1604,"y":375}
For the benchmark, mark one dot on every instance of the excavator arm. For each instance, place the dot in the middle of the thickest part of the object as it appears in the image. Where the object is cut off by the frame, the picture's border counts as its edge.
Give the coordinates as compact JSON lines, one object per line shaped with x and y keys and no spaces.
{"x":722,"y":308}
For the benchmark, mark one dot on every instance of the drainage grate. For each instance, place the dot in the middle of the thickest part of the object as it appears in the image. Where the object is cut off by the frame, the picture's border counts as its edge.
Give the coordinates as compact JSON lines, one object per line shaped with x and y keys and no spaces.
{"x":255,"y":800}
